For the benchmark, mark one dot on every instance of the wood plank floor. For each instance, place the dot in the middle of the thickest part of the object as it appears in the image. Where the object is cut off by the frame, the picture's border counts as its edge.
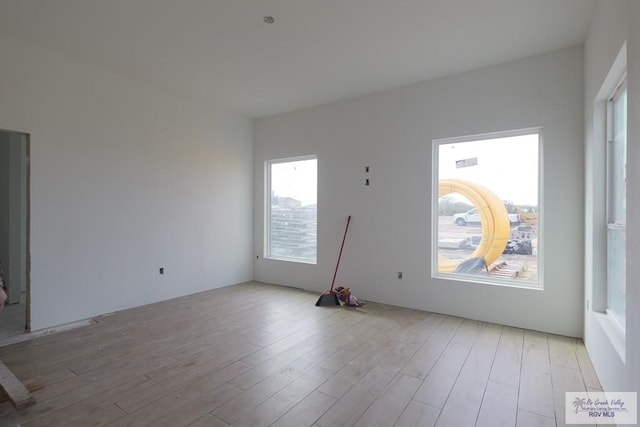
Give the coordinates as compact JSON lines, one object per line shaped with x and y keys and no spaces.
{"x":259,"y":355}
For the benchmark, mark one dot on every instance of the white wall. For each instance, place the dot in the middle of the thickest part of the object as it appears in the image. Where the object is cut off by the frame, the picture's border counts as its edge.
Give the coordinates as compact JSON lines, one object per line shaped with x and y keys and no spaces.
{"x":613,"y":23}
{"x":391,"y":132}
{"x":124,"y":179}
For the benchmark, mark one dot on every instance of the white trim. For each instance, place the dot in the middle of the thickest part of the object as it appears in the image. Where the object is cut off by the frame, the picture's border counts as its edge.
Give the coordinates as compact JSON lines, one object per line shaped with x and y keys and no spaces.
{"x":609,"y":147}
{"x":490,"y":135}
{"x":619,"y":68}
{"x":613,"y":332}
{"x":491,"y":281}
{"x":602,"y":119}
{"x":516,"y":283}
{"x":617,"y":322}
{"x":292,"y":159}
{"x":267,"y":216}
{"x":599,"y":151}
{"x":611,"y":167}
{"x":287,"y":259}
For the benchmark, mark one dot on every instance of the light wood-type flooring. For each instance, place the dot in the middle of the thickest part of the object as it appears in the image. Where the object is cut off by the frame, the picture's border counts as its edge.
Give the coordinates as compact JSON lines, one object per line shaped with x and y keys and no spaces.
{"x":259,"y":355}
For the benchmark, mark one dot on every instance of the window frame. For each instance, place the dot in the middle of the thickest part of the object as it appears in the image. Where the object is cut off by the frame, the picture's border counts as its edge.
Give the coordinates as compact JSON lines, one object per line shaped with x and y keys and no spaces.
{"x":267,"y":254}
{"x":538,"y":284}
{"x":612,"y":224}
{"x":596,"y":266}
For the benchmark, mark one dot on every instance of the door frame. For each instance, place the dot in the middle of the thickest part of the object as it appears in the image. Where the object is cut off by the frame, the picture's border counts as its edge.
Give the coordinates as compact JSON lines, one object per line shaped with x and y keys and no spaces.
{"x":27,"y":141}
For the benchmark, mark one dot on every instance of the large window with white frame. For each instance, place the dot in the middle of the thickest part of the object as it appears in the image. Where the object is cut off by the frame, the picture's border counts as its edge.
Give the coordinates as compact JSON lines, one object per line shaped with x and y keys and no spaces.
{"x":616,"y":196}
{"x":291,"y":209}
{"x":486,"y":211}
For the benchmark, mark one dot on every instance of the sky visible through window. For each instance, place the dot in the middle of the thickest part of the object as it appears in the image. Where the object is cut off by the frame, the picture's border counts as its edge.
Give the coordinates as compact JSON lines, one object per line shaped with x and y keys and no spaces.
{"x":296,"y":179}
{"x":505,"y":165}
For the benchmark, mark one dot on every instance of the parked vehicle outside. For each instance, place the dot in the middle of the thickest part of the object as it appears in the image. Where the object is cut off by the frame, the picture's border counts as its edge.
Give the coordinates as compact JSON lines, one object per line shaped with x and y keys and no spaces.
{"x":472,"y":217}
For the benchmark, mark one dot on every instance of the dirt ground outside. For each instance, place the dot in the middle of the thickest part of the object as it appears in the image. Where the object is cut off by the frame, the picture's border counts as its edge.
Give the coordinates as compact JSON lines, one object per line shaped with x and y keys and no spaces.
{"x":448,"y":230}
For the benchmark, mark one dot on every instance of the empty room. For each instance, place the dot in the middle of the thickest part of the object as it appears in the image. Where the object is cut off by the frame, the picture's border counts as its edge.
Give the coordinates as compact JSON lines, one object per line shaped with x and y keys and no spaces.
{"x":319,"y":213}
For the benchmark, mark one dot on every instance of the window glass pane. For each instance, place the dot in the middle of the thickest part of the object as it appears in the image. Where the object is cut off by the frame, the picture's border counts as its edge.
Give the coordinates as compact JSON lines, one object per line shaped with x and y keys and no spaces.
{"x":293,"y":210}
{"x":487,"y":226}
{"x":616,"y":187}
{"x":618,"y":162}
{"x":616,"y":259}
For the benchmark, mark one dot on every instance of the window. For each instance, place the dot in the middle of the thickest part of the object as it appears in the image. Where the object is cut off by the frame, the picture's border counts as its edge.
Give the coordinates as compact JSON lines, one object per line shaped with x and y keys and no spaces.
{"x":486,"y":224}
{"x":292,"y":224}
{"x":616,"y":195}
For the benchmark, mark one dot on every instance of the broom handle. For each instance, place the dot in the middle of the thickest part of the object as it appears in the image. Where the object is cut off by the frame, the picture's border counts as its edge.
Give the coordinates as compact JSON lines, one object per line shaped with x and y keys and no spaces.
{"x":333,"y":282}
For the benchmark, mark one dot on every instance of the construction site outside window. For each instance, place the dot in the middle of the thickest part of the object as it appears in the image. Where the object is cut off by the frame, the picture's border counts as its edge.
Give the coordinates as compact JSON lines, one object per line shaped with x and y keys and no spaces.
{"x":486,"y":211}
{"x":291,"y":231}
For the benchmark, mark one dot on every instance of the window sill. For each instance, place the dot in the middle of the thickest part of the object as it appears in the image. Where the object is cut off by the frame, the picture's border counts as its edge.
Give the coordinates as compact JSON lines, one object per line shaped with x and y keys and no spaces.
{"x":296,"y":260}
{"x":613,"y":331}
{"x":493,"y":281}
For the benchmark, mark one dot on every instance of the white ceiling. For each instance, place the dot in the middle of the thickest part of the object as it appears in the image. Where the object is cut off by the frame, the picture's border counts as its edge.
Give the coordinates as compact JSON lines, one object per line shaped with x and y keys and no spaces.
{"x":220,"y":52}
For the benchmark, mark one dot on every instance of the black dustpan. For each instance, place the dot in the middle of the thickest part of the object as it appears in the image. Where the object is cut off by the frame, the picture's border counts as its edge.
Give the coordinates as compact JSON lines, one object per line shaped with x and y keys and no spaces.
{"x":330,"y":297}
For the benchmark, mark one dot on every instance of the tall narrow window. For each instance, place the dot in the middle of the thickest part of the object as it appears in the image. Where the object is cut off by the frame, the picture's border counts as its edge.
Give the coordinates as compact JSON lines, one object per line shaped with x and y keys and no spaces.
{"x":617,"y":204}
{"x":292,"y":224}
{"x":486,"y":224}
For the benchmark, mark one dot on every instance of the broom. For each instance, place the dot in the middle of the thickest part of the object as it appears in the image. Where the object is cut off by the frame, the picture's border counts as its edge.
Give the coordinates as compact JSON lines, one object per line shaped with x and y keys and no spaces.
{"x":330,"y":297}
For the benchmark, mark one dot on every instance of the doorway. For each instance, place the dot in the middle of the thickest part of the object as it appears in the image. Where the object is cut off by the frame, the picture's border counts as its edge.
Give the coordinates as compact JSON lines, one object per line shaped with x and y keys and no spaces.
{"x":14,"y":232}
